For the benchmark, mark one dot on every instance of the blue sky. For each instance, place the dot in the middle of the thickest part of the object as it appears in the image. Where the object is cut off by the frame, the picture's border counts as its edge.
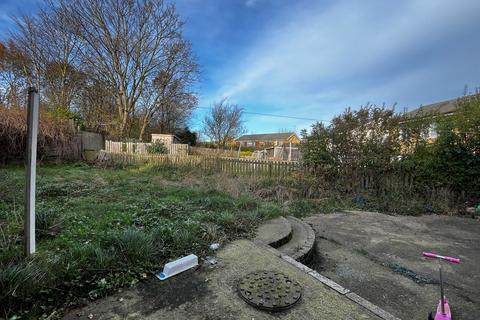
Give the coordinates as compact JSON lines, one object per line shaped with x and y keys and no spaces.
{"x":312,"y":59}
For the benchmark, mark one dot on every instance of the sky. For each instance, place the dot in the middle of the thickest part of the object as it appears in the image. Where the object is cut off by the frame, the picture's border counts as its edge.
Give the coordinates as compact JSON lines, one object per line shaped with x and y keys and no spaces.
{"x":311,"y":59}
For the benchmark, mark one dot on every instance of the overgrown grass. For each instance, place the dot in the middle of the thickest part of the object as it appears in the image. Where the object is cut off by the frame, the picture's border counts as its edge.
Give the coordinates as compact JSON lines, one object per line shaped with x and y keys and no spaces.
{"x":99,"y":229}
{"x":102,"y":228}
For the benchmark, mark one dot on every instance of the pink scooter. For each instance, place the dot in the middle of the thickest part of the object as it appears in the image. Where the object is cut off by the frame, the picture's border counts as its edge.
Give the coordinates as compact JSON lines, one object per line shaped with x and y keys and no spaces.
{"x":443,"y":308}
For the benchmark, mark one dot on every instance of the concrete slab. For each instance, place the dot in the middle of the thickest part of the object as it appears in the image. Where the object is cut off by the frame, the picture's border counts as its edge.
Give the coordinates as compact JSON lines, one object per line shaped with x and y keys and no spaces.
{"x":275,"y":232}
{"x":378,"y":257}
{"x":211,"y":293}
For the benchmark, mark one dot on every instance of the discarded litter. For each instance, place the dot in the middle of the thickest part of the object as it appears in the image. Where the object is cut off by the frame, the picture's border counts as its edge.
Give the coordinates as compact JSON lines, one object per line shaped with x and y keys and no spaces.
{"x":215,"y":246}
{"x":211,"y":260}
{"x":178,"y":266}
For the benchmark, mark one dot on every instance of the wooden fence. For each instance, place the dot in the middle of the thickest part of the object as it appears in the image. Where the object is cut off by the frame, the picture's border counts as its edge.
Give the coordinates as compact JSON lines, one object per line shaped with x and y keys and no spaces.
{"x":141,"y":147}
{"x":233,"y":166}
{"x":360,"y":183}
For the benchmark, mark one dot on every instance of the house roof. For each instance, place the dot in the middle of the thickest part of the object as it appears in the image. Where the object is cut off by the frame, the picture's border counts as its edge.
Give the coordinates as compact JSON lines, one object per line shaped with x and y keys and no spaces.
{"x":266,"y":136}
{"x":444,"y":107}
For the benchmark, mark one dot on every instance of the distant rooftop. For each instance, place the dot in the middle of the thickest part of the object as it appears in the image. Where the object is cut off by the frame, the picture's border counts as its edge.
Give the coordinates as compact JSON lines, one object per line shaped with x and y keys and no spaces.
{"x":266,"y":136}
{"x":444,"y":107}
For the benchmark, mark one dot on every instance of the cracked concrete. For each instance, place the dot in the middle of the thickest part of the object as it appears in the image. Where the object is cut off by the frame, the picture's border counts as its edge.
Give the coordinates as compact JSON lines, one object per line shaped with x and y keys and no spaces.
{"x":379,"y":257}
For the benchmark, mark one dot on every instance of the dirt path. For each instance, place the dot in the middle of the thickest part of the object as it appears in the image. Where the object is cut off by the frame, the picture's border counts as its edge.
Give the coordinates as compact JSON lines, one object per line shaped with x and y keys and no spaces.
{"x":378,"y":257}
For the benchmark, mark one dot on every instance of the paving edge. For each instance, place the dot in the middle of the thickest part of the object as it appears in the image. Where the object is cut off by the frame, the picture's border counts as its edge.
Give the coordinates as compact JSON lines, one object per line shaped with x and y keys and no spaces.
{"x":333,"y":285}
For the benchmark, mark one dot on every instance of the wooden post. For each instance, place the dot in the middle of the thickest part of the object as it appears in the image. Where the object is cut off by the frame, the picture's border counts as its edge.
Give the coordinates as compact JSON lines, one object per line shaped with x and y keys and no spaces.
{"x":30,"y":168}
{"x":290,"y":152}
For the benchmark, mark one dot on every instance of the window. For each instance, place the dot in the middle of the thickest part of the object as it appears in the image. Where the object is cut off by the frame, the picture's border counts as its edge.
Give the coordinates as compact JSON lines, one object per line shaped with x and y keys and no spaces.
{"x":432,"y":131}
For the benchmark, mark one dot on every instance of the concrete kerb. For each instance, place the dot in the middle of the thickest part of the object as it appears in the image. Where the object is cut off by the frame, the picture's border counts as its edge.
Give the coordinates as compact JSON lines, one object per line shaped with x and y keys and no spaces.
{"x":332,"y":284}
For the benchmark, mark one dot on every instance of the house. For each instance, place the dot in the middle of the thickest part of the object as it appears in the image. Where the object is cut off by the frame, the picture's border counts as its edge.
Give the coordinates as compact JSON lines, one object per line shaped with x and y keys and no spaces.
{"x":268,"y":139}
{"x":443,"y":108}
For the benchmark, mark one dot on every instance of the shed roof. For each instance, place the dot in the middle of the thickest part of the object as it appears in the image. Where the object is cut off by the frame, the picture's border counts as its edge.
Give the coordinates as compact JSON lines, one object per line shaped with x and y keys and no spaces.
{"x":266,"y":136}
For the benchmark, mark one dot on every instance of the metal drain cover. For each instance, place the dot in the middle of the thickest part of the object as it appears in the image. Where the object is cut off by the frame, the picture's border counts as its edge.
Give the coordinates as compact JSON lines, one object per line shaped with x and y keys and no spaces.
{"x":269,"y":290}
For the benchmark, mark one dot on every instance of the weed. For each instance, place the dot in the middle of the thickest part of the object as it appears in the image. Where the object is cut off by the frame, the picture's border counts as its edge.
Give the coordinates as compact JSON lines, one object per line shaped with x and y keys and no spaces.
{"x":47,"y":220}
{"x":135,"y":246}
{"x":20,"y":281}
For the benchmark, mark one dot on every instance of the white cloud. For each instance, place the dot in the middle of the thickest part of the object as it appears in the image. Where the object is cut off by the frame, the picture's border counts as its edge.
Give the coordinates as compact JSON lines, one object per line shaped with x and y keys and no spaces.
{"x":325,"y":58}
{"x":251,"y":3}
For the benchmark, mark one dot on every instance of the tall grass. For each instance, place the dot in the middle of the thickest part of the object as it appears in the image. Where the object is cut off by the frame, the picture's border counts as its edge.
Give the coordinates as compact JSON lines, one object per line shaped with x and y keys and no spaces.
{"x":100,"y":229}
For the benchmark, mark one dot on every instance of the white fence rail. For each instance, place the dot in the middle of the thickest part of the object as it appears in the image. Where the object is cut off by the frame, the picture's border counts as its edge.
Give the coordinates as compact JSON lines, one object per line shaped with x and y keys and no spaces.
{"x":215,"y":164}
{"x":141,"y":147}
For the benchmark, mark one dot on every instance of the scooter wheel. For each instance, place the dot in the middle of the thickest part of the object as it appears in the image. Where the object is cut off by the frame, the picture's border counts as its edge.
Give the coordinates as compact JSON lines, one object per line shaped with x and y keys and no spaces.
{"x":430,"y":316}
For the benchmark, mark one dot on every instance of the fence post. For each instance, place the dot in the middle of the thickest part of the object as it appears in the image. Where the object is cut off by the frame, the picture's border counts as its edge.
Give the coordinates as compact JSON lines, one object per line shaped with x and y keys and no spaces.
{"x":30,"y":166}
{"x":290,"y":152}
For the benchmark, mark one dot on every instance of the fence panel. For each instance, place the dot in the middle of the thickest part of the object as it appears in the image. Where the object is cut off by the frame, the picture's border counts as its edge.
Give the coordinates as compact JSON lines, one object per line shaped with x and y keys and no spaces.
{"x":358,"y":182}
{"x":232,"y":166}
{"x":141,"y":147}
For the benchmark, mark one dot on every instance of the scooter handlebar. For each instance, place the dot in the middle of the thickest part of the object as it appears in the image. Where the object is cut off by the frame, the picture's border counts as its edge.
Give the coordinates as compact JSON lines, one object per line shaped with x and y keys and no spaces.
{"x":437,"y":256}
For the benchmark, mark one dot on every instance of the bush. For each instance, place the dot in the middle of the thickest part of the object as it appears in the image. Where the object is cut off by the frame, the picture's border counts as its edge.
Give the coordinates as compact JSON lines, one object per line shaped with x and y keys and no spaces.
{"x":246,"y":153}
{"x":391,"y":156}
{"x":53,"y":132}
{"x":157,"y":147}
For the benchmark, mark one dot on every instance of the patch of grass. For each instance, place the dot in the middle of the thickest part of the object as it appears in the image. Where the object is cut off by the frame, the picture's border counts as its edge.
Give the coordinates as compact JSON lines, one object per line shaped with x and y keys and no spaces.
{"x":103,"y":228}
{"x":99,"y":229}
{"x":134,"y":246}
{"x":47,"y":220}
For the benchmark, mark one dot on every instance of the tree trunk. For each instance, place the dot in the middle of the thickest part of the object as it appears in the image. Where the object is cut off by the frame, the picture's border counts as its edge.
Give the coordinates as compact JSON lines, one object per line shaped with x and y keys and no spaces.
{"x":142,"y":129}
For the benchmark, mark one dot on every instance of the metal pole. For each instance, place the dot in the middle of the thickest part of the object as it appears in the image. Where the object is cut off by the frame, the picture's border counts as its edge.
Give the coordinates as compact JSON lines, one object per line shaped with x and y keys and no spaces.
{"x":30,"y":168}
{"x":442,"y":298}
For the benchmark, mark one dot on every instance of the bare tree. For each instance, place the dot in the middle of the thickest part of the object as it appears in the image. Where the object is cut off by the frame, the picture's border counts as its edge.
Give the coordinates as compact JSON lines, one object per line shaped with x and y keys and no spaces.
{"x":97,"y":106}
{"x":122,"y":43}
{"x":87,"y":54}
{"x":224,"y":122}
{"x":12,"y":75}
{"x":168,"y":100}
{"x":52,"y":53}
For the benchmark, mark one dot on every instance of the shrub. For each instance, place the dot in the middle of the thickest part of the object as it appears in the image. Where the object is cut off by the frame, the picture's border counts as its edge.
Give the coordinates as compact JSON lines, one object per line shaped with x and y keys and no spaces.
{"x":157,"y":147}
{"x":391,"y":156}
{"x":246,"y":153}
{"x":53,"y":132}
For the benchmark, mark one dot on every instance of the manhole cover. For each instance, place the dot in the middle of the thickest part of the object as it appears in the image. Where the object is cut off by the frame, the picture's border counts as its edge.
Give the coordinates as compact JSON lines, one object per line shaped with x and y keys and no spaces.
{"x":269,"y":290}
